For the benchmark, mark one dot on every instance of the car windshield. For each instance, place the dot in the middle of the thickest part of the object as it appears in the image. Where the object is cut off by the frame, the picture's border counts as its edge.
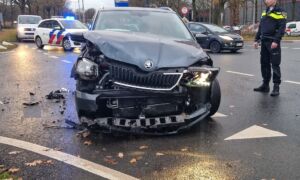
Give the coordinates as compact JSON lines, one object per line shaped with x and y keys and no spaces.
{"x":292,"y":26}
{"x":215,"y":29}
{"x":72,"y":24}
{"x":29,"y":19}
{"x":154,"y":23}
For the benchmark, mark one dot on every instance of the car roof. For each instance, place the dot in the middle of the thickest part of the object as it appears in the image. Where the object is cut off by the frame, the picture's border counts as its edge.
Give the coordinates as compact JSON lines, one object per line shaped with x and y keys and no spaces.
{"x":165,"y":10}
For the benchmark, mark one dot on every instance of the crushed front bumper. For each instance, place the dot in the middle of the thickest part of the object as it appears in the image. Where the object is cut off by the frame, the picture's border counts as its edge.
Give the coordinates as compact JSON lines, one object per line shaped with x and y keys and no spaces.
{"x":164,"y":125}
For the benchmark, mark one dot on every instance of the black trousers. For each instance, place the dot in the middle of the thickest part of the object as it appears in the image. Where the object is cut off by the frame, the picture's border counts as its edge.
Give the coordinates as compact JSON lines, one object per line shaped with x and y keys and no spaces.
{"x":270,"y":58}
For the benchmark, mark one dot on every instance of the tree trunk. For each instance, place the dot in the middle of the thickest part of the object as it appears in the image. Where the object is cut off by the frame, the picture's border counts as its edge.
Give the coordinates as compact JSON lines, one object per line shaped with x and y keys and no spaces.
{"x":294,"y":10}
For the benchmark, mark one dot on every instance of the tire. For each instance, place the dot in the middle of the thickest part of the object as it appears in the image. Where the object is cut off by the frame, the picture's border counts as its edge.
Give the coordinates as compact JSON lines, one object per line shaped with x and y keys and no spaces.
{"x":39,"y":42}
{"x":18,"y":39}
{"x":67,"y":45}
{"x":215,"y":47}
{"x":215,"y":97}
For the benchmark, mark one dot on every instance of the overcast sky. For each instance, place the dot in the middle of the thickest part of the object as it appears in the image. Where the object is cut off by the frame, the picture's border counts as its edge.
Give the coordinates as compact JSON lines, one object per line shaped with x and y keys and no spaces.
{"x":97,"y":4}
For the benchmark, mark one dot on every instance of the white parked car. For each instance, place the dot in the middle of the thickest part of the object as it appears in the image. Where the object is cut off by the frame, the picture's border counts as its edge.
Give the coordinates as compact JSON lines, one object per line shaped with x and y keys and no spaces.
{"x":56,"y":32}
{"x":26,"y":26}
{"x":293,"y":28}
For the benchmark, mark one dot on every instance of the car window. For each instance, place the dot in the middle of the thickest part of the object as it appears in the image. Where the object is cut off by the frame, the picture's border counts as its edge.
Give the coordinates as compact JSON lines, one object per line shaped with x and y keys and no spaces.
{"x":72,"y":24}
{"x":55,"y":24}
{"x":291,"y":26}
{"x":215,"y":29}
{"x":197,"y":28}
{"x":29,"y":19}
{"x":45,"y":24}
{"x":149,"y":22}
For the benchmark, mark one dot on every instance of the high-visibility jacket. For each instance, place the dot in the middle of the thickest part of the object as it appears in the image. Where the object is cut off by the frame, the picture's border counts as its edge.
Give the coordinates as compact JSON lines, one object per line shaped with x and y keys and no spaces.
{"x":272,"y":24}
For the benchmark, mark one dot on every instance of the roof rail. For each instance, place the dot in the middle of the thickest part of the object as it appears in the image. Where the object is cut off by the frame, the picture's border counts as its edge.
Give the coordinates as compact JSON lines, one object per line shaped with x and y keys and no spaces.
{"x":166,"y":8}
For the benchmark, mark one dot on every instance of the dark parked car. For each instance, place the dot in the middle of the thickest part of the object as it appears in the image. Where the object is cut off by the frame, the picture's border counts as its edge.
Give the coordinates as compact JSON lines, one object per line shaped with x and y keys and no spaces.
{"x":142,"y":71}
{"x":215,"y":38}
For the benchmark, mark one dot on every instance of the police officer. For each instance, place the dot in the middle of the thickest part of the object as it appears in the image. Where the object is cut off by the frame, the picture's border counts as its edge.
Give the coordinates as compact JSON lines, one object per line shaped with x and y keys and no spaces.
{"x":270,"y":31}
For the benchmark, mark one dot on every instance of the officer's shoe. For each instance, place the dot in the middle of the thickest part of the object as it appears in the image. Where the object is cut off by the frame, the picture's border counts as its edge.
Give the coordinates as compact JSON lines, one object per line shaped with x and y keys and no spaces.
{"x":263,"y":88}
{"x":275,"y":91}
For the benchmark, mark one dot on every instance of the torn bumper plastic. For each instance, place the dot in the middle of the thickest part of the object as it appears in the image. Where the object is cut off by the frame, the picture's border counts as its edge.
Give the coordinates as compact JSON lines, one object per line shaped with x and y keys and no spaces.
{"x":164,"y":125}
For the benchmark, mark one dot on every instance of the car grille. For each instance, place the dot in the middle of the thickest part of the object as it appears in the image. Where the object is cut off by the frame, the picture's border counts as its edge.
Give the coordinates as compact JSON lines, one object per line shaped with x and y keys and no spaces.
{"x":29,"y":29}
{"x":130,"y":77}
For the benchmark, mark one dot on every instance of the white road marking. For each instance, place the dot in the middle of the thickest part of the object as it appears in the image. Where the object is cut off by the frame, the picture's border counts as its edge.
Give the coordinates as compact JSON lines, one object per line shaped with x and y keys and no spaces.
{"x":284,"y":47}
{"x":54,"y":57}
{"x":255,"y":132}
{"x":293,"y":82}
{"x":296,"y":48}
{"x":45,"y":54}
{"x":65,"y":61}
{"x":86,"y":165}
{"x":34,"y":48}
{"x":239,"y":73}
{"x":219,"y":115}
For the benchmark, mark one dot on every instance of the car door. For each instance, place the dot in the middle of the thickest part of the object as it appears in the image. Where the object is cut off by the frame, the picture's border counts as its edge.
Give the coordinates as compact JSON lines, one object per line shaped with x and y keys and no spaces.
{"x":200,"y":32}
{"x":46,"y":29}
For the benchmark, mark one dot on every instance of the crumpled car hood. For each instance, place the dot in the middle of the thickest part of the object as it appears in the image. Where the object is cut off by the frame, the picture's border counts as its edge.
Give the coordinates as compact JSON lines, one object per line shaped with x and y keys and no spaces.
{"x":137,"y":48}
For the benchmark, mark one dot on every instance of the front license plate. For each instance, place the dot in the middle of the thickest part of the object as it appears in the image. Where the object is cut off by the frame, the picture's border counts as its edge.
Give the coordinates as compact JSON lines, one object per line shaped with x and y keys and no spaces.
{"x":239,"y":44}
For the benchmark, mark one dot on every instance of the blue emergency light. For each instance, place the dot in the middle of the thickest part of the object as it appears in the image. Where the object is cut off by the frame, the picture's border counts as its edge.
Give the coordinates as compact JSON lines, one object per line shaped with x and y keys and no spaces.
{"x":70,"y":18}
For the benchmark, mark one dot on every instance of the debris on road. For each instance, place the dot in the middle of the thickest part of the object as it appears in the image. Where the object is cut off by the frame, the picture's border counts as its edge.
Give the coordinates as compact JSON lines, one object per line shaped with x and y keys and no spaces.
{"x":110,"y":160}
{"x":88,"y":143}
{"x":14,"y":152}
{"x":31,"y":93}
{"x":159,"y":154}
{"x":85,"y":133}
{"x":133,"y":161}
{"x":13,"y":170}
{"x":74,"y":125}
{"x":30,"y":103}
{"x":34,"y":163}
{"x":184,"y":149}
{"x":143,"y":147}
{"x":55,"y":95}
{"x":121,"y":155}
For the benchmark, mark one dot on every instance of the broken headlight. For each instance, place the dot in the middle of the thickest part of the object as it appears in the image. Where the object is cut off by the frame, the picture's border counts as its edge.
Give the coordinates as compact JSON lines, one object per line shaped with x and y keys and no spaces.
{"x":200,"y":76}
{"x":87,"y":70}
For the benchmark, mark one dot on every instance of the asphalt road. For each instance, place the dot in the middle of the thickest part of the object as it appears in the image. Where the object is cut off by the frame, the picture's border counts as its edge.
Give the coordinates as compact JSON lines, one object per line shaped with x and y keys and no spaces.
{"x":209,"y":151}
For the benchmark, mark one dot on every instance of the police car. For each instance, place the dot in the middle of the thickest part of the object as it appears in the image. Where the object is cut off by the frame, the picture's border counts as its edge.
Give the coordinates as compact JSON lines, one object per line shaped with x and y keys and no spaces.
{"x":56,"y":32}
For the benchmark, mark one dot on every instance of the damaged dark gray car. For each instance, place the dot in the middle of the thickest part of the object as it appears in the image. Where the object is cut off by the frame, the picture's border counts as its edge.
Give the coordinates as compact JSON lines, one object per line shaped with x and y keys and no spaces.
{"x":142,"y":71}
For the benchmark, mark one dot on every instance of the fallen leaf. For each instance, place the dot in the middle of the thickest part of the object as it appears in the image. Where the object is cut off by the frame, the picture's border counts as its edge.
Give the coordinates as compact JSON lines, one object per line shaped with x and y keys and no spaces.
{"x":86,"y":134}
{"x":184,"y":149}
{"x":133,"y":161}
{"x":57,"y":149}
{"x":110,"y":161}
{"x":143,"y":147}
{"x":49,"y":162}
{"x":13,"y":170}
{"x":1,"y":102}
{"x":34,"y":163}
{"x":31,"y":104}
{"x":228,"y":165}
{"x":159,"y":154}
{"x":87,"y":143}
{"x":31,"y":93}
{"x":139,"y":158}
{"x":120,"y":155}
{"x":14,"y":152}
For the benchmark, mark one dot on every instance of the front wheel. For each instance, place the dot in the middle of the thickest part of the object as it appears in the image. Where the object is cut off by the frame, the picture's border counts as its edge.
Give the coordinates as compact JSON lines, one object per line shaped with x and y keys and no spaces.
{"x":215,"y":47}
{"x":67,"y":45}
{"x":215,"y":97}
{"x":39,"y":43}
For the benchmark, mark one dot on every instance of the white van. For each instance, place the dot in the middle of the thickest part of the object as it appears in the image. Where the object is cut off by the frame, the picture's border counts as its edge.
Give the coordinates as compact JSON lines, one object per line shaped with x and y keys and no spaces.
{"x":293,"y":28}
{"x":26,"y":25}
